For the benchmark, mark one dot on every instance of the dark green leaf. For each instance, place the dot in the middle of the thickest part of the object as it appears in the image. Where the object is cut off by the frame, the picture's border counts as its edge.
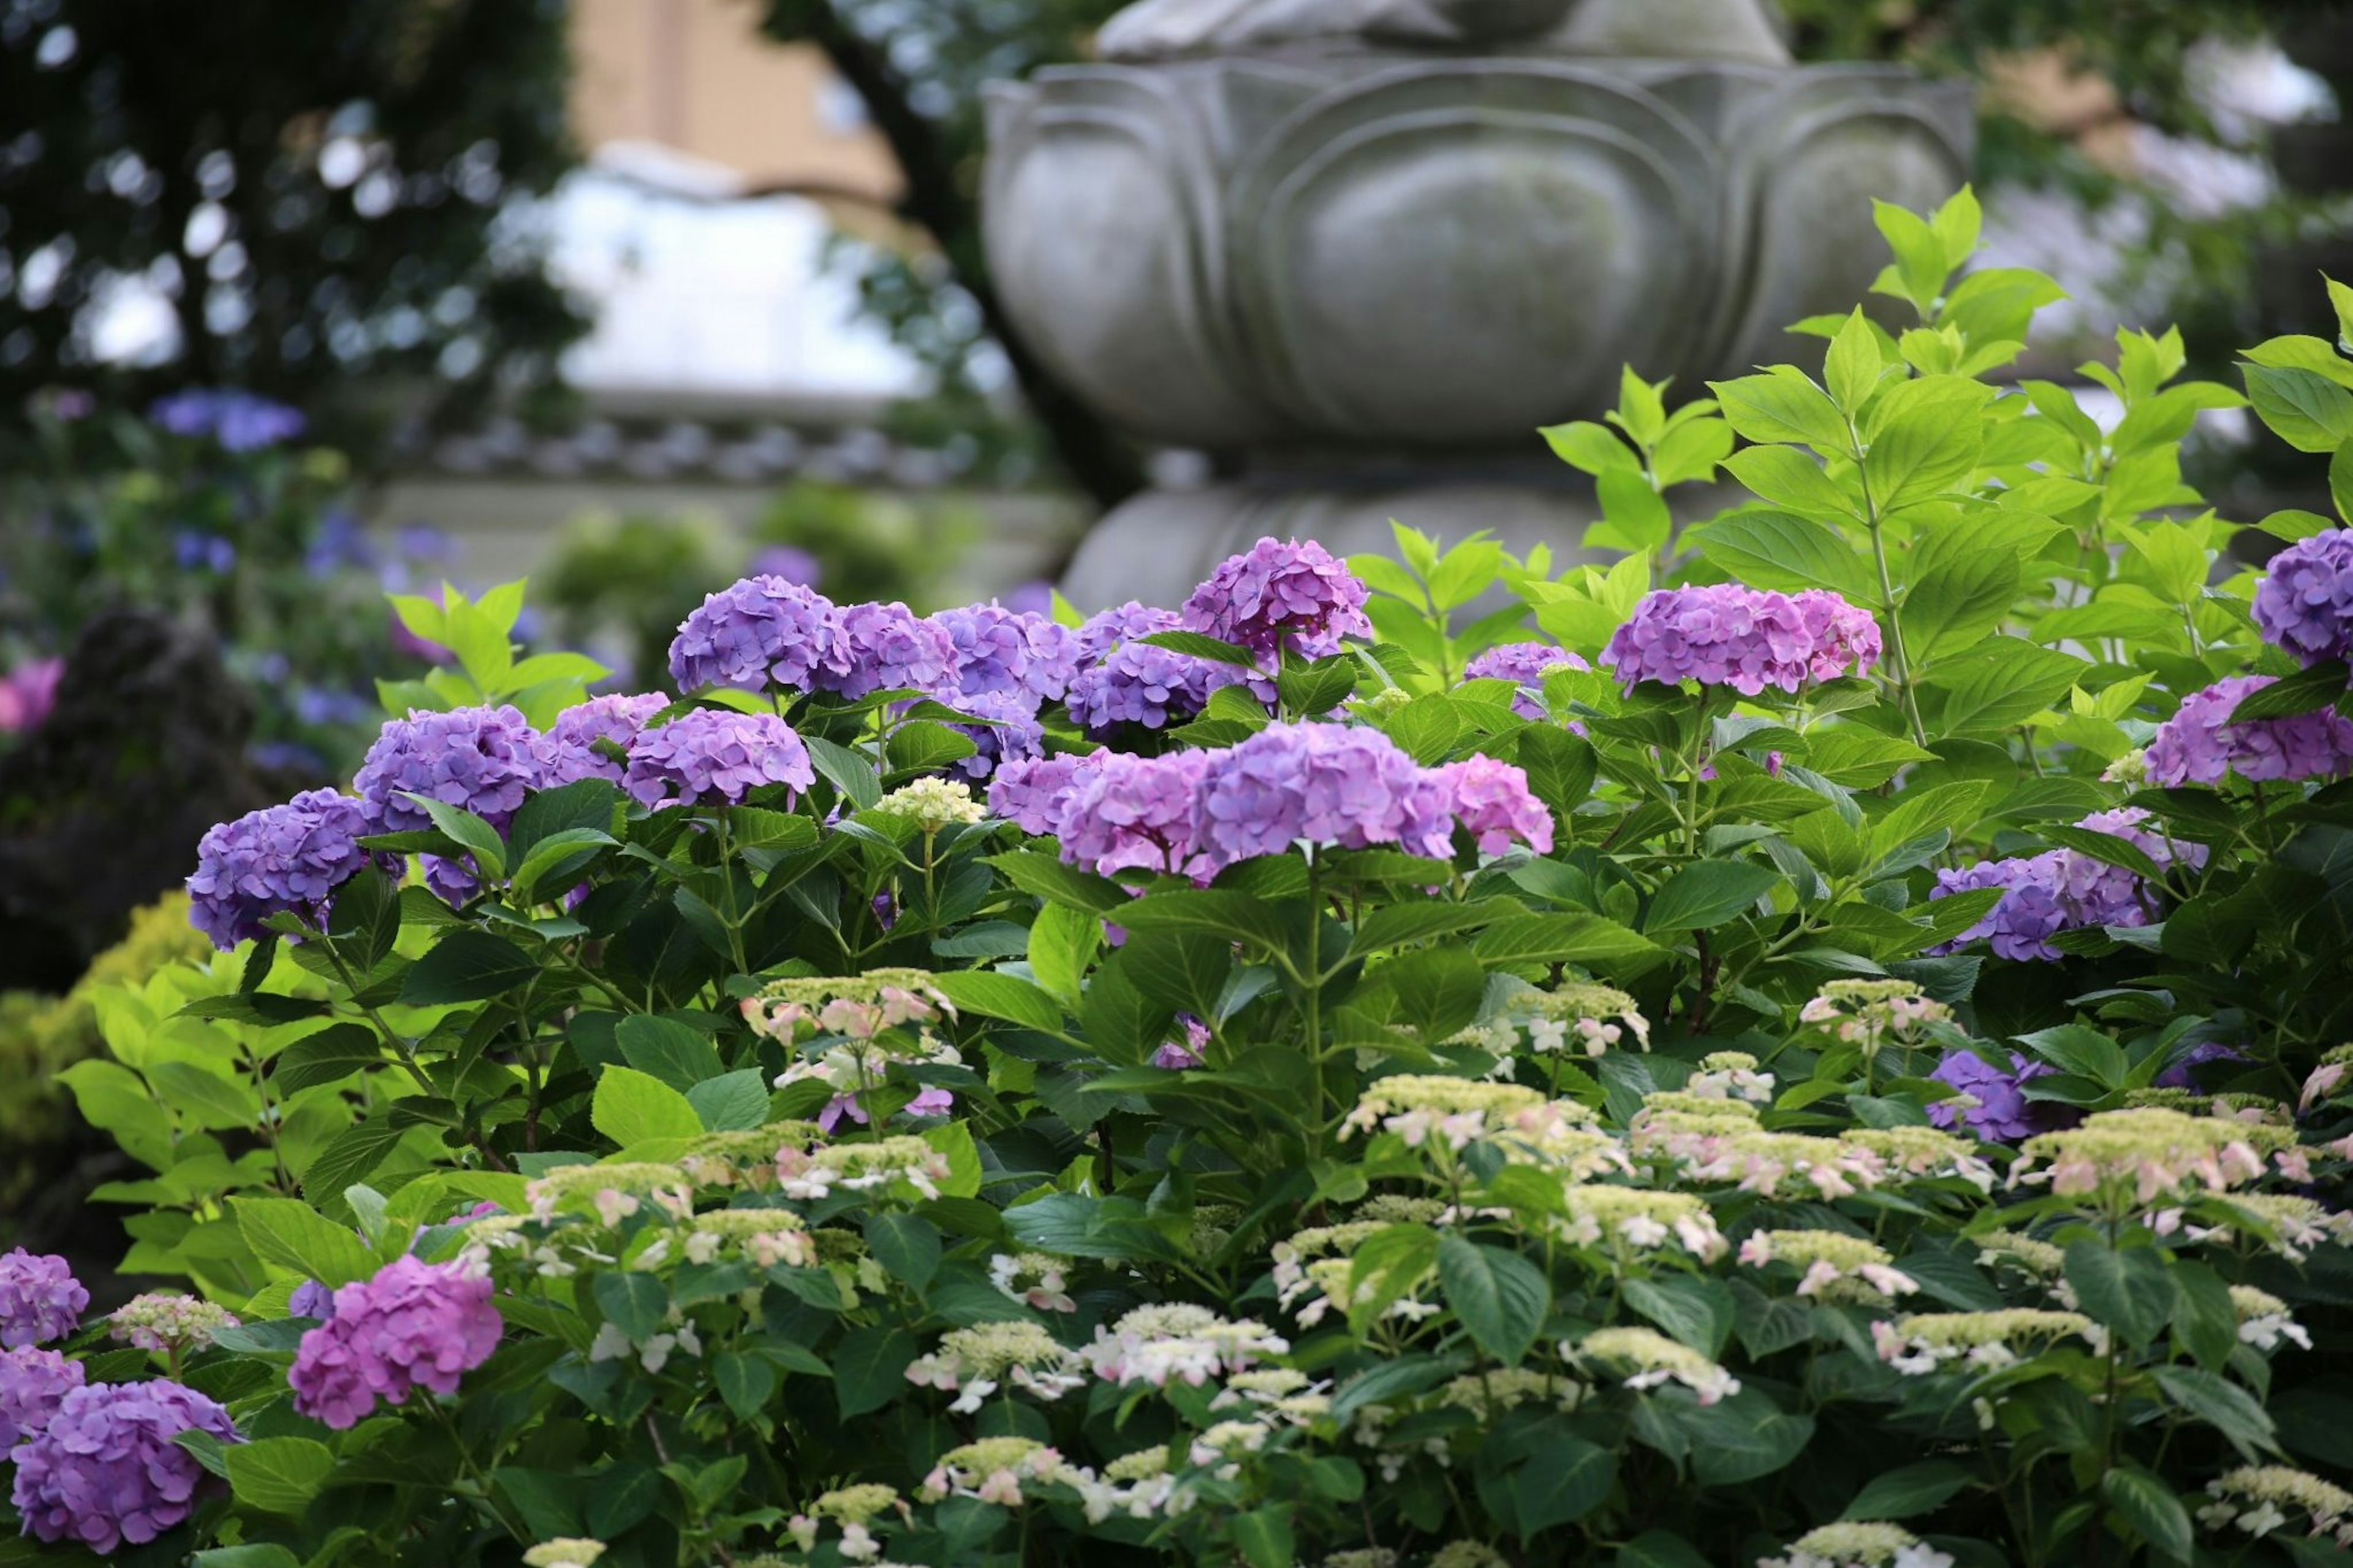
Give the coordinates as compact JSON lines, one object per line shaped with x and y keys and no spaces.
{"x":1707,"y":893}
{"x":870,"y":1369}
{"x":632,"y":1301}
{"x":467,"y":966}
{"x":1908,"y":1492}
{"x":2130,"y":1290}
{"x":908,"y":1247}
{"x":667,"y":1049}
{"x":1500,"y":1296}
{"x":2149,"y":1505}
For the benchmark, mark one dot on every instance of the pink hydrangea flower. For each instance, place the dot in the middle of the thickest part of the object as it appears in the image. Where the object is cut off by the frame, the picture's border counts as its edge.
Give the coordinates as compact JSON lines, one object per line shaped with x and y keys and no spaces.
{"x":414,"y":1325}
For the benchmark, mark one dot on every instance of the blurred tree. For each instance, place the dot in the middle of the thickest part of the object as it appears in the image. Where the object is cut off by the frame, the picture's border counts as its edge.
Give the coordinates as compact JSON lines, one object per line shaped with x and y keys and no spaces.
{"x":919,"y":65}
{"x":312,"y":191}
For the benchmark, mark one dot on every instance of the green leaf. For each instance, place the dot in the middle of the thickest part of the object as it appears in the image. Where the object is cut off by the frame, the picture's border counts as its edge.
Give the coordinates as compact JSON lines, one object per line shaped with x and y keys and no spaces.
{"x":632,"y":1108}
{"x":295,"y":1236}
{"x":1439,"y":990}
{"x":331,"y":1056}
{"x":1908,"y":1492}
{"x":1782,"y":550}
{"x":462,"y":827}
{"x":2306,"y":691}
{"x":732,"y":1102}
{"x":1567,"y":938}
{"x":2205,"y":1319}
{"x":2128,"y":1291}
{"x":1006,"y":997}
{"x":1635,"y":515}
{"x":907,"y":1246}
{"x":1567,"y":1478}
{"x":1922,"y":452}
{"x":746,"y":1381}
{"x":1042,"y":876}
{"x":258,"y":1555}
{"x":204,"y":1099}
{"x":467,"y":966}
{"x":1697,"y":1311}
{"x":1958,"y":602}
{"x":357,"y":1151}
{"x":1384,"y":1265}
{"x":1239,"y":916}
{"x":1062,"y":941}
{"x":568,"y":851}
{"x":2224,"y":1405}
{"x":2309,"y":412}
{"x":2149,"y":1505}
{"x":278,"y":1474}
{"x":1707,"y":893}
{"x":1783,"y":406}
{"x":870,"y":1369}
{"x":1657,"y":1549}
{"x":1197,"y":645}
{"x":1742,"y":1438}
{"x":1853,"y":367}
{"x":849,"y":772}
{"x":1263,"y":1537}
{"x":632,"y":1301}
{"x":668,"y":1049}
{"x":1594,"y":448}
{"x":1500,"y":1296}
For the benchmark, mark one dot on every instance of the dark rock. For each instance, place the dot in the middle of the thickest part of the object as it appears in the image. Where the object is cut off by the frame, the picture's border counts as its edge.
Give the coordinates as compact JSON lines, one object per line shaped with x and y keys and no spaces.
{"x":101,"y":808}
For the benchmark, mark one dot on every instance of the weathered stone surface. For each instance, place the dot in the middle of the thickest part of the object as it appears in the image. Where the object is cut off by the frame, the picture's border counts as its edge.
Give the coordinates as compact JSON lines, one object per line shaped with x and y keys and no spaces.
{"x":100,"y":808}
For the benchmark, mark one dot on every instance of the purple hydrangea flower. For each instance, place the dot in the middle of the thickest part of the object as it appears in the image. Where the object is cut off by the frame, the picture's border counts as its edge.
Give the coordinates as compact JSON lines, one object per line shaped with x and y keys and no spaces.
{"x":1014,"y":734}
{"x":1101,"y":633}
{"x":106,"y":1469}
{"x":1178,"y":1058}
{"x":1124,"y":811}
{"x":40,"y":1299}
{"x":1491,"y":800}
{"x":1331,"y":784}
{"x":1138,"y":683}
{"x":2305,"y":602}
{"x":27,"y":693}
{"x":887,"y":647}
{"x":714,"y":754}
{"x":1280,"y":592}
{"x":1032,"y":792}
{"x":239,"y":421}
{"x":311,"y":1299}
{"x":2199,"y":744}
{"x":1002,"y":650}
{"x":2183,"y":1074}
{"x":1845,"y":636}
{"x":283,"y":857}
{"x":567,"y":752}
{"x":789,"y":562}
{"x":33,"y":1382}
{"x":415,"y":1324}
{"x":482,"y":760}
{"x":2033,"y":908}
{"x":2002,"y":1113}
{"x":2100,"y":894}
{"x":1720,"y":635}
{"x":1527,"y":664}
{"x":761,"y":631}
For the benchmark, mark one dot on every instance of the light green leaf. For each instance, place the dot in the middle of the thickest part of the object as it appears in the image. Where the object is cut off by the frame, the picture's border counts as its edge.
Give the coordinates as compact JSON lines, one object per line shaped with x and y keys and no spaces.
{"x":297,"y":1237}
{"x":632,"y":1108}
{"x":278,"y":1474}
{"x":1783,"y":551}
{"x":1707,"y":893}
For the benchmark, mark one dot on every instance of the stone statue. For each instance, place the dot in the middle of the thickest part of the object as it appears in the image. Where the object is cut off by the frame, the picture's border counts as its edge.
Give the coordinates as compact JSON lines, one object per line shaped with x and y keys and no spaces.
{"x":1163,"y":29}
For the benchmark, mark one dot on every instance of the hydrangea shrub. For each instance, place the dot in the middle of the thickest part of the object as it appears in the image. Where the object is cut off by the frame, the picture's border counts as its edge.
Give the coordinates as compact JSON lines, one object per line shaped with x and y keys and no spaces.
{"x":1819,"y":1043}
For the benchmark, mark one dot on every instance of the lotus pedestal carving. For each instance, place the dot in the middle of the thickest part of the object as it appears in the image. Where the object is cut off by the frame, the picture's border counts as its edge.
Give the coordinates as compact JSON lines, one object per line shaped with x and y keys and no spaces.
{"x":1361,"y":249}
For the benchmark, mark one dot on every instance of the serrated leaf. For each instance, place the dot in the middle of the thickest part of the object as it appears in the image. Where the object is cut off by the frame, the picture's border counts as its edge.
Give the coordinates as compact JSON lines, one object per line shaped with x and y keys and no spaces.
{"x":632,"y":1108}
{"x":1500,"y":1296}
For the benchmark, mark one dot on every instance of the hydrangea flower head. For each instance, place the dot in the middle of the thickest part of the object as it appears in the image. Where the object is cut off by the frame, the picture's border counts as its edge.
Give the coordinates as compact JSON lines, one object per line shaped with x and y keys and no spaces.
{"x":168,"y":1322}
{"x":1280,"y":592}
{"x":239,"y":421}
{"x":1719,"y":634}
{"x":2102,"y":894}
{"x":2001,"y":1113}
{"x":1137,"y":811}
{"x":33,"y":1382}
{"x":2305,"y":602}
{"x":2199,"y":744}
{"x":106,"y":1470}
{"x":1527,"y":664}
{"x":1010,"y":733}
{"x":887,"y":648}
{"x":415,"y":1324}
{"x":714,"y":754}
{"x":1121,"y":680}
{"x":1033,"y":792}
{"x":40,"y":1299}
{"x":759,"y":631}
{"x":1331,"y":784}
{"x":482,"y":760}
{"x":567,"y":752}
{"x":1002,"y":650}
{"x":2032,"y":910}
{"x":289,"y":858}
{"x":1491,"y":799}
{"x":1845,"y":636}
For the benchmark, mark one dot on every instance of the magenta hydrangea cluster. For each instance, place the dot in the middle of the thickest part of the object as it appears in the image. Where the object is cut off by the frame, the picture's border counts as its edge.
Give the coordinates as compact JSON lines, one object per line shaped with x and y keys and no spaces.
{"x":289,"y":858}
{"x":106,"y":1469}
{"x":566,"y":753}
{"x":1005,"y":651}
{"x":1526,"y":664}
{"x":33,"y":1382}
{"x":712,"y":754}
{"x":414,"y":1325}
{"x":40,"y":1299}
{"x":1280,"y":592}
{"x":2305,"y":602}
{"x":2201,"y":745}
{"x":1194,"y":812}
{"x":760,"y":632}
{"x":1996,"y":1109}
{"x":1725,"y":634}
{"x":482,"y":760}
{"x":2065,"y":890}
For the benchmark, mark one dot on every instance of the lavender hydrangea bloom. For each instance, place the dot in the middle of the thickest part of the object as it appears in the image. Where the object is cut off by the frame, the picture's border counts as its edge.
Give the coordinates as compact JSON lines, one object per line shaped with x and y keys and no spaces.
{"x":2199,"y":744}
{"x":40,"y":1299}
{"x":2183,"y":1074}
{"x":1330,"y":784}
{"x":1032,"y":792}
{"x":1146,"y":812}
{"x":714,"y":754}
{"x":1182,"y":1057}
{"x":1002,"y":650}
{"x":566,"y":753}
{"x":2002,"y":1113}
{"x":239,"y":421}
{"x":758,"y":632}
{"x":1280,"y":592}
{"x":1845,"y":636}
{"x":1491,"y":799}
{"x":33,"y":1382}
{"x":1101,"y":633}
{"x":311,"y":1299}
{"x":1526,"y":663}
{"x":479,"y":759}
{"x":1719,"y":634}
{"x":1138,"y":683}
{"x":887,"y":647}
{"x":2100,"y":894}
{"x":2032,"y":910}
{"x":2305,"y":602}
{"x":283,"y":857}
{"x":106,"y":1469}
{"x":1013,"y":735}
{"x":414,"y":1325}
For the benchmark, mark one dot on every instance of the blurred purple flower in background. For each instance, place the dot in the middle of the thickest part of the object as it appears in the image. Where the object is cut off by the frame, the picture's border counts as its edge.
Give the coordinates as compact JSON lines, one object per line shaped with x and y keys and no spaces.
{"x":788,"y":561}
{"x":1034,"y":598}
{"x":27,"y":693}
{"x":192,"y":549}
{"x":239,"y":421}
{"x":2183,"y":1074}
